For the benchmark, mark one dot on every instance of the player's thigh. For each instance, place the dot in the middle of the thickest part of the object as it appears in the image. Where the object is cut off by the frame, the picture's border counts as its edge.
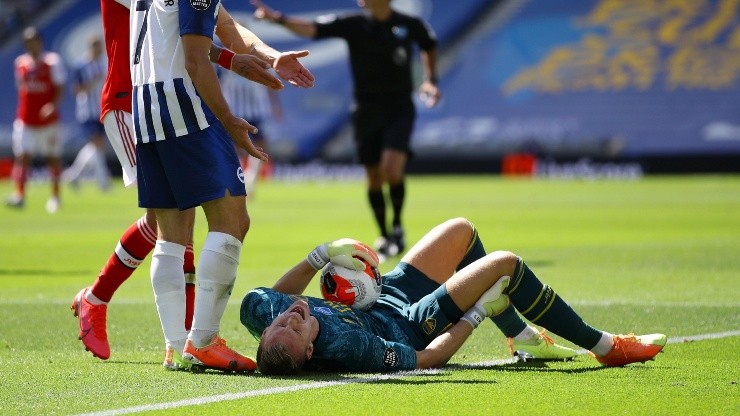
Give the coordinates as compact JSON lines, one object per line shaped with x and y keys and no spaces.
{"x":227,"y":215}
{"x":118,"y":127}
{"x":441,"y":250}
{"x":393,"y":164}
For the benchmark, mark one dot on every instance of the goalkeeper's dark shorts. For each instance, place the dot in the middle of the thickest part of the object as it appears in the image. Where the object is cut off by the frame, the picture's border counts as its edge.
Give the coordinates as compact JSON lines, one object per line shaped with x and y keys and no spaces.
{"x":425,"y":307}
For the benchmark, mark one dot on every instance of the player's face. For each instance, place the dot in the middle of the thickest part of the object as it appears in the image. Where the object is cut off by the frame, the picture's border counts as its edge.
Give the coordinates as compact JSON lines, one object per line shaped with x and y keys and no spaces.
{"x":295,"y":328}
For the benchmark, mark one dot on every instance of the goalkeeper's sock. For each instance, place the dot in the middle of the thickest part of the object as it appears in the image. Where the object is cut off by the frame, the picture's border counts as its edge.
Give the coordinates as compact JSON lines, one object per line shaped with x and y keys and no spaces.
{"x":135,"y":244}
{"x":397,"y":193}
{"x":168,"y":282}
{"x":377,"y":204}
{"x":542,"y":306}
{"x":475,"y":250}
{"x":217,"y":266}
{"x":509,"y":322}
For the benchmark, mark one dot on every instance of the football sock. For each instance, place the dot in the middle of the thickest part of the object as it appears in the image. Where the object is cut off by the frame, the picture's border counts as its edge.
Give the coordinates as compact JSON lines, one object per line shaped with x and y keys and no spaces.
{"x":542,"y":306}
{"x":216,"y":275}
{"x":20,"y":174}
{"x":135,"y":244}
{"x":475,"y":250}
{"x":527,"y":333}
{"x":604,"y":345}
{"x":509,"y":322}
{"x":168,"y":282}
{"x":397,"y":193}
{"x":377,"y":204}
{"x":56,"y":173}
{"x":94,"y":300}
{"x":189,"y":269}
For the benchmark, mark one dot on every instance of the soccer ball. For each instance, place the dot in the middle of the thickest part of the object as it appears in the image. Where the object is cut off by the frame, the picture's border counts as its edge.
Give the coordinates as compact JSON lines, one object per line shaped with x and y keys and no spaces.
{"x":359,"y":289}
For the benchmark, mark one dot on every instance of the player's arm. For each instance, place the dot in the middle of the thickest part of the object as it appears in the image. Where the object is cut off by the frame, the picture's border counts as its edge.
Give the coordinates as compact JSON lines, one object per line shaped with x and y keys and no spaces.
{"x":442,"y":348}
{"x":300,"y":27}
{"x":345,"y":252}
{"x":247,"y":66}
{"x":241,"y":40}
{"x":203,"y":74}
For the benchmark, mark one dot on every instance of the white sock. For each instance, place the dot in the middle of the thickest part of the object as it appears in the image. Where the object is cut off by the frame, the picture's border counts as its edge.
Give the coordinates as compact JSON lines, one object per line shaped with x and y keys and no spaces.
{"x":94,"y":300}
{"x":527,"y":334}
{"x":168,"y":282}
{"x":604,"y":345}
{"x":216,"y":273}
{"x":81,"y":161}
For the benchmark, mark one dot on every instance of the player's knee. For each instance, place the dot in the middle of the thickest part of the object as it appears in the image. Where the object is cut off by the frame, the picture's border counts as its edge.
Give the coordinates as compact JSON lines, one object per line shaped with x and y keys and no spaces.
{"x":507,"y":259}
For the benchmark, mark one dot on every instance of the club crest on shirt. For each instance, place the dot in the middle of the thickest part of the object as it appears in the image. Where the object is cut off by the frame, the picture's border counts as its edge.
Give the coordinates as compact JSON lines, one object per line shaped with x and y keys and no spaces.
{"x":200,"y":4}
{"x":240,"y":174}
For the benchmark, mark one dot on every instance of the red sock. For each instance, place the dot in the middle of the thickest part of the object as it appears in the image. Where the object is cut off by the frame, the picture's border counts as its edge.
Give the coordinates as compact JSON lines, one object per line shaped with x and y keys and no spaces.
{"x":55,"y":174}
{"x":135,"y":244}
{"x":20,"y":174}
{"x":189,"y":269}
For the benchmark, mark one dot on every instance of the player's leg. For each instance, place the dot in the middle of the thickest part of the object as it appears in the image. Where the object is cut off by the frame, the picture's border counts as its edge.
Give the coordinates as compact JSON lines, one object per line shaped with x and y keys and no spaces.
{"x":540,"y":304}
{"x":100,"y":166}
{"x":454,"y":245}
{"x":396,"y":151}
{"x":213,"y":180}
{"x":367,"y":125}
{"x":51,"y":148}
{"x":22,"y":147}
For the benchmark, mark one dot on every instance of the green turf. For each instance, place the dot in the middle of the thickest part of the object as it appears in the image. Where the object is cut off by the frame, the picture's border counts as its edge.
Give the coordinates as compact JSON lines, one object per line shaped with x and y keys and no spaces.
{"x":658,"y":254}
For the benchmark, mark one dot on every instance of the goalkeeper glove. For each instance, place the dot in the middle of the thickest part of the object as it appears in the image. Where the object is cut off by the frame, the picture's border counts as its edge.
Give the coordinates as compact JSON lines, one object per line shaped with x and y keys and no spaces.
{"x":491,"y":302}
{"x":343,"y":252}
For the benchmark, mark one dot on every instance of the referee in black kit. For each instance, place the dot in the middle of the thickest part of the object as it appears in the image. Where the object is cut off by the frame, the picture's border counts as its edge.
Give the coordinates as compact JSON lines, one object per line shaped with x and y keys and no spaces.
{"x":380,"y":41}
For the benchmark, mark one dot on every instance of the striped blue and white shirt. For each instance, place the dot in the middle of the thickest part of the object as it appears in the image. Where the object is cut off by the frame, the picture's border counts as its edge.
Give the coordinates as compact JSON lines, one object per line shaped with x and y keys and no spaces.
{"x":247,"y":99}
{"x":165,"y":102}
{"x":90,"y":75}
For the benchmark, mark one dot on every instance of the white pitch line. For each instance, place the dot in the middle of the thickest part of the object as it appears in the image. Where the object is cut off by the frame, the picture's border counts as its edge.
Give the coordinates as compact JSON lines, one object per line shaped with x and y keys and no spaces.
{"x":321,"y":384}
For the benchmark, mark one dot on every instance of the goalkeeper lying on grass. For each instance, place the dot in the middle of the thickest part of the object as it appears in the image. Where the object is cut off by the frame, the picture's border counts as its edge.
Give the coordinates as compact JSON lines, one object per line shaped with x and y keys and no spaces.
{"x":430,"y":303}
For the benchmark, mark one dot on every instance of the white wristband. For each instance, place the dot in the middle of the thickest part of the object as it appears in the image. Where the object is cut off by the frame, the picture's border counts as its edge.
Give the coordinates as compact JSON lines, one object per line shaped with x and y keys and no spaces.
{"x":474,"y":316}
{"x":315,"y":259}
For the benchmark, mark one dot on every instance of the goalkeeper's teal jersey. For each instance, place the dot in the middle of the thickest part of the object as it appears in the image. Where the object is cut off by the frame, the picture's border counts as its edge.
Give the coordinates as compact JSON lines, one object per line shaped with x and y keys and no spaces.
{"x":349,"y":339}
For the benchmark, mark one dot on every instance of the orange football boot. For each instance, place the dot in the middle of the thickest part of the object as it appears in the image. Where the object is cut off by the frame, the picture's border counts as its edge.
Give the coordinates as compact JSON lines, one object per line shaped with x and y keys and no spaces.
{"x":627,"y":349}
{"x":216,"y":356}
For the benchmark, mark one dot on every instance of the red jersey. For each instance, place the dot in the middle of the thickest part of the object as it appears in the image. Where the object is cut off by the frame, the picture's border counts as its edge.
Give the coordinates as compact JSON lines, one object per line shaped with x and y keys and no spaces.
{"x":117,"y":87}
{"x":37,"y":82}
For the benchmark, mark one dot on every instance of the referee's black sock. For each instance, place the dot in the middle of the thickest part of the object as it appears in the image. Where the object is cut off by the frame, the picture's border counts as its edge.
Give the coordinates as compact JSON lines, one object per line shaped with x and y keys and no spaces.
{"x":377,"y":204}
{"x":542,"y":306}
{"x":397,"y":192}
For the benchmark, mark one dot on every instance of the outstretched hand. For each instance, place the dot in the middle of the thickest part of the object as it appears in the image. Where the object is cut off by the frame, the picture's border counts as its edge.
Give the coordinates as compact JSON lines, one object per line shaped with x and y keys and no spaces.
{"x":255,"y":69}
{"x":239,"y":130}
{"x":290,"y":69}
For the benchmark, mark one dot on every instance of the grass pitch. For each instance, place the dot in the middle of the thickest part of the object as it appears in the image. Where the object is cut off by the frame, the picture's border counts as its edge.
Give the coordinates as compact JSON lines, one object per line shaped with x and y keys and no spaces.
{"x":656,"y":255}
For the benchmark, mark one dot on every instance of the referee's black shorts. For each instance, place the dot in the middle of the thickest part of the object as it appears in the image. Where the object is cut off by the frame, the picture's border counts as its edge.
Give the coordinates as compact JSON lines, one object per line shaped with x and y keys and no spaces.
{"x":382,"y":125}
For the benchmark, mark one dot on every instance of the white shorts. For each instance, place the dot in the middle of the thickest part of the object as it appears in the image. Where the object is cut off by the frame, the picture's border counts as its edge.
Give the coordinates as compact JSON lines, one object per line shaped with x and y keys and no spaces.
{"x":36,"y":141}
{"x":119,"y":129}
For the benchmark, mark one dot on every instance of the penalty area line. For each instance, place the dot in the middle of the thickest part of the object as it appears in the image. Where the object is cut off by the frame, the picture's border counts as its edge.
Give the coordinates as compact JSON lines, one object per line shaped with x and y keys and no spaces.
{"x":322,"y":384}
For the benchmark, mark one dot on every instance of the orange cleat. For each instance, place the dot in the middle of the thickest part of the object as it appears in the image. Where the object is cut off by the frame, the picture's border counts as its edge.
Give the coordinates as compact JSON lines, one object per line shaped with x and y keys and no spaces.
{"x":92,"y":325}
{"x":216,"y":356}
{"x":627,"y":349}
